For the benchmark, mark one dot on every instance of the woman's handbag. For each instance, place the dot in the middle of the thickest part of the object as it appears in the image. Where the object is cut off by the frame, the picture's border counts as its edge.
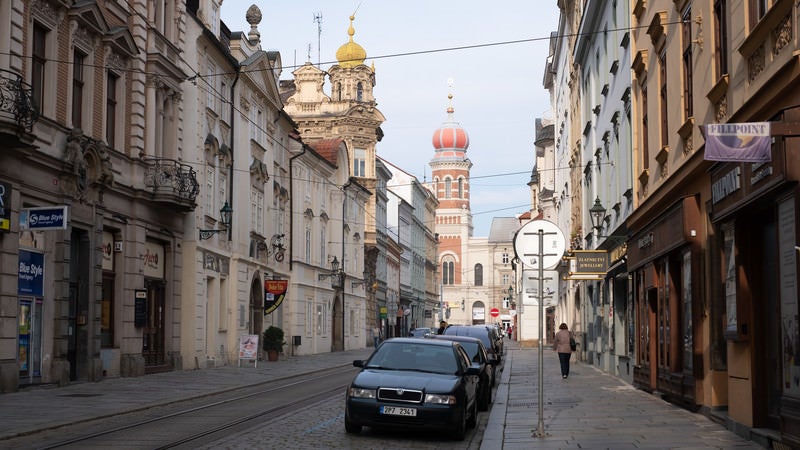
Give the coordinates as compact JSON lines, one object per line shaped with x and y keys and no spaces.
{"x":572,"y":344}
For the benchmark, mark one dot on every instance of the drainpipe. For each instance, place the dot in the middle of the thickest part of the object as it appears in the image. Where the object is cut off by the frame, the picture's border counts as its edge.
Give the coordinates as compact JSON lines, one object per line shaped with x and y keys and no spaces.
{"x":233,"y":139}
{"x":291,"y":205}
{"x":343,"y":274}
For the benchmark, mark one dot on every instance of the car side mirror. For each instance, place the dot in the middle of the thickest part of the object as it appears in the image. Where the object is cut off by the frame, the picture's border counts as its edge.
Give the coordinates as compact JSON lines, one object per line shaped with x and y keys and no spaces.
{"x":474,"y":370}
{"x":358,"y":363}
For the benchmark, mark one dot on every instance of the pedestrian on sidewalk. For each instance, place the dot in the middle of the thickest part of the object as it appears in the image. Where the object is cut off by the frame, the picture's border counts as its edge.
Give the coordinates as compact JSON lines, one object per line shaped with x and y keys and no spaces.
{"x":562,"y":345}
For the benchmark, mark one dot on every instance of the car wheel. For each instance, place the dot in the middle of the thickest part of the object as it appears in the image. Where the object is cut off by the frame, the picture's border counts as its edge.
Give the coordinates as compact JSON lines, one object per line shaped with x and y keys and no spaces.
{"x":460,"y":431}
{"x":485,"y":398}
{"x":350,"y":427}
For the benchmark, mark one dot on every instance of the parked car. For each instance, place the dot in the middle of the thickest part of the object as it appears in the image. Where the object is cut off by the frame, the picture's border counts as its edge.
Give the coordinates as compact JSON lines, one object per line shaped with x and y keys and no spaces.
{"x":414,"y":383}
{"x":422,"y":332}
{"x":481,"y":332}
{"x":499,"y":335}
{"x":477,"y":353}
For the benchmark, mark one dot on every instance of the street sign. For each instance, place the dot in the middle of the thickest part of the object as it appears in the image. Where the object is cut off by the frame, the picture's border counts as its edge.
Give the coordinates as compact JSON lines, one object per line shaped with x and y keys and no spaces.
{"x":526,"y":244}
{"x":494,"y":312}
{"x":530,"y":287}
{"x":44,"y":218}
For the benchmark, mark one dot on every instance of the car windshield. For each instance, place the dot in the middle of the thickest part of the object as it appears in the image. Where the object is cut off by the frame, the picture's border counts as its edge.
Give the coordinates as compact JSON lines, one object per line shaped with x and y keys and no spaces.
{"x":415,"y":357}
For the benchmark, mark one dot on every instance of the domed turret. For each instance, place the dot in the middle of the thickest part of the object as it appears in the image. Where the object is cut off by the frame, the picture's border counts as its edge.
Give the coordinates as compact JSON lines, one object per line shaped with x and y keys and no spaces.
{"x":351,"y":54}
{"x":450,"y":136}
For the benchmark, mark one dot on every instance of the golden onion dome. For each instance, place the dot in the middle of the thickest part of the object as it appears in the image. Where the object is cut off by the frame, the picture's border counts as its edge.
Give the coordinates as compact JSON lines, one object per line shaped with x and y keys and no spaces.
{"x":351,"y":54}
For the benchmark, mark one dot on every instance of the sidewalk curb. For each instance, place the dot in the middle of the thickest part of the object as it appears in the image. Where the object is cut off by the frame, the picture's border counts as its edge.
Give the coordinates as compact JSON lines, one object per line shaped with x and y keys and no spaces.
{"x":494,"y":434}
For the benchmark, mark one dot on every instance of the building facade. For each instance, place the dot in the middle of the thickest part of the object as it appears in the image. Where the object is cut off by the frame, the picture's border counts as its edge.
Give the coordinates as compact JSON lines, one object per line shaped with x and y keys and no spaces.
{"x":94,"y":143}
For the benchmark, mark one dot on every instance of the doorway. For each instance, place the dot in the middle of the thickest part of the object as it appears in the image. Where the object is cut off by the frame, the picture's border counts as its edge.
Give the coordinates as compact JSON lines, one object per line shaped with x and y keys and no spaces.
{"x":153,"y":349}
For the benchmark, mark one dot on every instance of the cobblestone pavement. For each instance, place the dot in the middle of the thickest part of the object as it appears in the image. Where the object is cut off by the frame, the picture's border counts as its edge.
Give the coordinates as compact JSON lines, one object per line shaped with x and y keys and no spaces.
{"x":589,"y":410}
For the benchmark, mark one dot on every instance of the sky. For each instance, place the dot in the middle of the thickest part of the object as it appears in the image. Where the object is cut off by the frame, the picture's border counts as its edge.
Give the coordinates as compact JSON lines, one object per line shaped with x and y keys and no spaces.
{"x":489,"y":55}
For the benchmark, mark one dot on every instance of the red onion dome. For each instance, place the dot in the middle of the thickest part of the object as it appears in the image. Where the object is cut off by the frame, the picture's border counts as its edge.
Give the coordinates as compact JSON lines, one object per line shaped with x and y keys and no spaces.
{"x":450,"y":136}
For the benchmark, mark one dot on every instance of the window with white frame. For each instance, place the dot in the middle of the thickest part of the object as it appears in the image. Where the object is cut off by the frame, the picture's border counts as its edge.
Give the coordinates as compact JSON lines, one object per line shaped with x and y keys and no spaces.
{"x":359,"y":162}
{"x":256,"y":210}
{"x":222,"y":189}
{"x":322,"y":319}
{"x":211,"y":173}
{"x":210,"y":85}
{"x":257,"y":124}
{"x":506,"y":279}
{"x":215,"y":19}
{"x":309,"y":319}
{"x":308,"y":243}
{"x":323,"y":244}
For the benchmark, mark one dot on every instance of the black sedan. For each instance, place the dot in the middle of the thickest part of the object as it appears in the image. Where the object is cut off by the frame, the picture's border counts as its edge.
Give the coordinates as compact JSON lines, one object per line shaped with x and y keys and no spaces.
{"x":414,"y":383}
{"x":481,"y":332}
{"x":478,"y":355}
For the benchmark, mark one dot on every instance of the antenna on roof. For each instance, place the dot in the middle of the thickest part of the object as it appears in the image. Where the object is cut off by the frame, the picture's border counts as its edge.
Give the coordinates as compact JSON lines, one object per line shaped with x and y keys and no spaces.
{"x":318,"y":21}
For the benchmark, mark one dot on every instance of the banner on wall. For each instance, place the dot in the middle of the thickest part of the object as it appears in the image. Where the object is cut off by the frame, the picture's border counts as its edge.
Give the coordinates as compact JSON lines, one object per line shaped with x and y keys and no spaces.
{"x":274,"y":293}
{"x":30,"y":274}
{"x":738,"y":142}
{"x":5,"y":206}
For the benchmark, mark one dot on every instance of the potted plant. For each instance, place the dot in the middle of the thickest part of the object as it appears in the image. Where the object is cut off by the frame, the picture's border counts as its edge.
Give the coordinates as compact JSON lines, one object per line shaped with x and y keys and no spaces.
{"x":273,"y":342}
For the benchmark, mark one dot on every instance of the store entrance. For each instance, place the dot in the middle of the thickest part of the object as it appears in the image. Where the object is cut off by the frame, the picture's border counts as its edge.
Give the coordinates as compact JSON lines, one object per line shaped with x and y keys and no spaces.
{"x":153,"y":349}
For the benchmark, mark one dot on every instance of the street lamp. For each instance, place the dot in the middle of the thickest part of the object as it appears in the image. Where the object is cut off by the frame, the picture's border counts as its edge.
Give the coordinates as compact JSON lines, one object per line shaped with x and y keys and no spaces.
{"x":336,"y":275}
{"x":597,"y":213}
{"x":226,"y":214}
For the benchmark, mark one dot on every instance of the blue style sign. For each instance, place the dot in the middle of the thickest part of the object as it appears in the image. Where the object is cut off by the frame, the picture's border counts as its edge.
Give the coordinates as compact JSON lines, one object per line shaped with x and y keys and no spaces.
{"x":31,"y":274}
{"x":46,"y":218}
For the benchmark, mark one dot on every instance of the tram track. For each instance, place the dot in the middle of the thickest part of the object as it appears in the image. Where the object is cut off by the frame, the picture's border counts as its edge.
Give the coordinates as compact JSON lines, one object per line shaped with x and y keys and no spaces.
{"x":198,"y":420}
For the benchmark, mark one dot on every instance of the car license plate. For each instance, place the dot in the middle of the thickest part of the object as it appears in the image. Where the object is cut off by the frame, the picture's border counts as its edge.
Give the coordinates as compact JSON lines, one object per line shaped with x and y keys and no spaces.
{"x":395,"y":411}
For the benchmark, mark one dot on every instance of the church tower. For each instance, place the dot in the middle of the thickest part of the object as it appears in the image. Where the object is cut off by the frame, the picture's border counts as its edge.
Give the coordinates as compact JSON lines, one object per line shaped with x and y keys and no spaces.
{"x":450,"y":183}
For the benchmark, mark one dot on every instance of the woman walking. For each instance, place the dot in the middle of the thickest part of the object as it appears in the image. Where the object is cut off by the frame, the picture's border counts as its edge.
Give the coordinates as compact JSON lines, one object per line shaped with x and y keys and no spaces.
{"x":562,"y":345}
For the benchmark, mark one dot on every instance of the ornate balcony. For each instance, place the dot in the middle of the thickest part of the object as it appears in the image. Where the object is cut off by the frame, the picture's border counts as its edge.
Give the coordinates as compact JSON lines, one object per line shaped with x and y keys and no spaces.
{"x":16,"y":104}
{"x":172,"y":182}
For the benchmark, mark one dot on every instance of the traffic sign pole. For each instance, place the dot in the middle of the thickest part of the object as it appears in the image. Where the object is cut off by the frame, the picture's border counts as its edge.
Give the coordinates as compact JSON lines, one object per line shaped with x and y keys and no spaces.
{"x":530,"y":248}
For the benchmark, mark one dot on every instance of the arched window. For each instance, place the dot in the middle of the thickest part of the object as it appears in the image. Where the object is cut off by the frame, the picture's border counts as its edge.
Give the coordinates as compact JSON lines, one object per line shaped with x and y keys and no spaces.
{"x":359,"y":92}
{"x":436,"y":187}
{"x":448,"y":271}
{"x":478,"y":275}
{"x":448,"y":187}
{"x":339,"y":91}
{"x":460,"y":188}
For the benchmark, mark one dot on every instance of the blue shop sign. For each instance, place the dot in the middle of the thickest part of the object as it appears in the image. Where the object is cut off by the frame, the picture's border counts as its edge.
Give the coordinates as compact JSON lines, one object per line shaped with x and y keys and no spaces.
{"x":45,"y":218}
{"x":31,"y":274}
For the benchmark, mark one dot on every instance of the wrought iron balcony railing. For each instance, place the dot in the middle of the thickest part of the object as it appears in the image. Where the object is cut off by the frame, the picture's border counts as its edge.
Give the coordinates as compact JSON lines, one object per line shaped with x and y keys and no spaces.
{"x":170,"y":177}
{"x":16,"y":100}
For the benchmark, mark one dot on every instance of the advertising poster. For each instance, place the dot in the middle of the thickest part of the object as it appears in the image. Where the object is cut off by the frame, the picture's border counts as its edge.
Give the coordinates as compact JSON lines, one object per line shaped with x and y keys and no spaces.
{"x":30,"y":274}
{"x":248,"y":346}
{"x":5,"y":206}
{"x":274,"y":293}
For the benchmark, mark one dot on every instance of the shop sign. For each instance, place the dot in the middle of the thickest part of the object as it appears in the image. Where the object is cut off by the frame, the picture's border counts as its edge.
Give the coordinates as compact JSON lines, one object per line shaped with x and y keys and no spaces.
{"x":153,"y":260}
{"x":5,"y":206}
{"x":44,"y":218}
{"x":30,"y":274}
{"x":591,"y":261}
{"x":108,"y":249}
{"x":726,"y":185}
{"x":274,"y":293}
{"x":479,"y":313}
